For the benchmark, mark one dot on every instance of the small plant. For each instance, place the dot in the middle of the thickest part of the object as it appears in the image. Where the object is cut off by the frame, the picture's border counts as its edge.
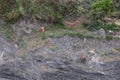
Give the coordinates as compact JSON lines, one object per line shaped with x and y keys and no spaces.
{"x":96,"y":24}
{"x":112,"y":27}
{"x":102,"y":8}
{"x":55,"y":35}
{"x":12,"y":16}
{"x":85,"y":24}
{"x":104,"y":53}
{"x":43,"y":35}
{"x":23,"y":56}
{"x":54,"y":48}
{"x":109,"y":37}
{"x":118,"y":49}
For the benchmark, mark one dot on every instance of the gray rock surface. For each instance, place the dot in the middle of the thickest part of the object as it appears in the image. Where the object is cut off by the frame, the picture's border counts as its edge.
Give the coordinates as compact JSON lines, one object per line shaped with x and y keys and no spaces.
{"x":7,"y":50}
{"x":102,"y":33}
{"x":62,"y":61}
{"x":39,"y":68}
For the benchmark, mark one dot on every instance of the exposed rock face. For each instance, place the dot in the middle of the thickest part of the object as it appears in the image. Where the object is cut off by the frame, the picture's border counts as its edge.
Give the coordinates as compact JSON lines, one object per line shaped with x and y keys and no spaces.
{"x":39,"y":68}
{"x":60,"y":60}
{"x":7,"y":50}
{"x":9,"y":72}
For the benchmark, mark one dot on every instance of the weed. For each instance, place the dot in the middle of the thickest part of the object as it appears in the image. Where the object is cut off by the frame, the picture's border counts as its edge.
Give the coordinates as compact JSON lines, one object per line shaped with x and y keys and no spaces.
{"x":112,"y":27}
{"x":54,"y":48}
{"x":34,"y":30}
{"x":109,"y":37}
{"x":23,"y":56}
{"x":118,"y":49}
{"x":104,"y":53}
{"x":43,"y":35}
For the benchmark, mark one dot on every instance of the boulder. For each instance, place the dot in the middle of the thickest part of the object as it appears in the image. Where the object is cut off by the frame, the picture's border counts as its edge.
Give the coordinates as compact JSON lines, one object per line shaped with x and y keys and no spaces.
{"x":117,"y":22}
{"x":102,"y":33}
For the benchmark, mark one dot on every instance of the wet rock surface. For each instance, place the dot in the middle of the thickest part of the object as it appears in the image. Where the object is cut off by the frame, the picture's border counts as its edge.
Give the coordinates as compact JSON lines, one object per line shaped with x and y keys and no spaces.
{"x":59,"y":59}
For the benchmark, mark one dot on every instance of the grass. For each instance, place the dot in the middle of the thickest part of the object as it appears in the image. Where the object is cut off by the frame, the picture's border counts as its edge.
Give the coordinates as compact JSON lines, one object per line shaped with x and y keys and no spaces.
{"x":81,"y":32}
{"x":54,"y":31}
{"x":57,"y":32}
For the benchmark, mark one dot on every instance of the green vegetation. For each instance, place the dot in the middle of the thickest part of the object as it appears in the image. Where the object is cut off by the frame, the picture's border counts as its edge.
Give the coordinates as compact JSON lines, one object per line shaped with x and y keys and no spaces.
{"x":50,"y":11}
{"x":54,"y":48}
{"x":23,"y":56}
{"x":109,"y":37}
{"x":59,"y":32}
{"x":43,"y":35}
{"x":118,"y":49}
{"x":97,"y":24}
{"x":7,"y":30}
{"x":56,"y":12}
{"x":112,"y":27}
{"x":99,"y":10}
{"x":102,"y":8}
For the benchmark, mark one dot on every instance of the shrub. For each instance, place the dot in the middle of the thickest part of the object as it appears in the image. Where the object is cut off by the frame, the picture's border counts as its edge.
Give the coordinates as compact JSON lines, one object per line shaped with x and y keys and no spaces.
{"x":102,"y":8}
{"x":52,"y":11}
{"x":7,"y":5}
{"x":112,"y":27}
{"x":96,"y":24}
{"x":12,"y":16}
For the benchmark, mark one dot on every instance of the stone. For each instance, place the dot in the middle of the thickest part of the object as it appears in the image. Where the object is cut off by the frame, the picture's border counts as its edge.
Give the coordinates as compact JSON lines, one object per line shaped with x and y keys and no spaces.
{"x":102,"y":33}
{"x":7,"y":50}
{"x":117,"y":22}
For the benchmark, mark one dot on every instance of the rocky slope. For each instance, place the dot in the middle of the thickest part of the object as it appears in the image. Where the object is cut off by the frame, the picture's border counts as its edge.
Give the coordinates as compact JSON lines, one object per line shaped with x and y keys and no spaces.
{"x":59,"y":59}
